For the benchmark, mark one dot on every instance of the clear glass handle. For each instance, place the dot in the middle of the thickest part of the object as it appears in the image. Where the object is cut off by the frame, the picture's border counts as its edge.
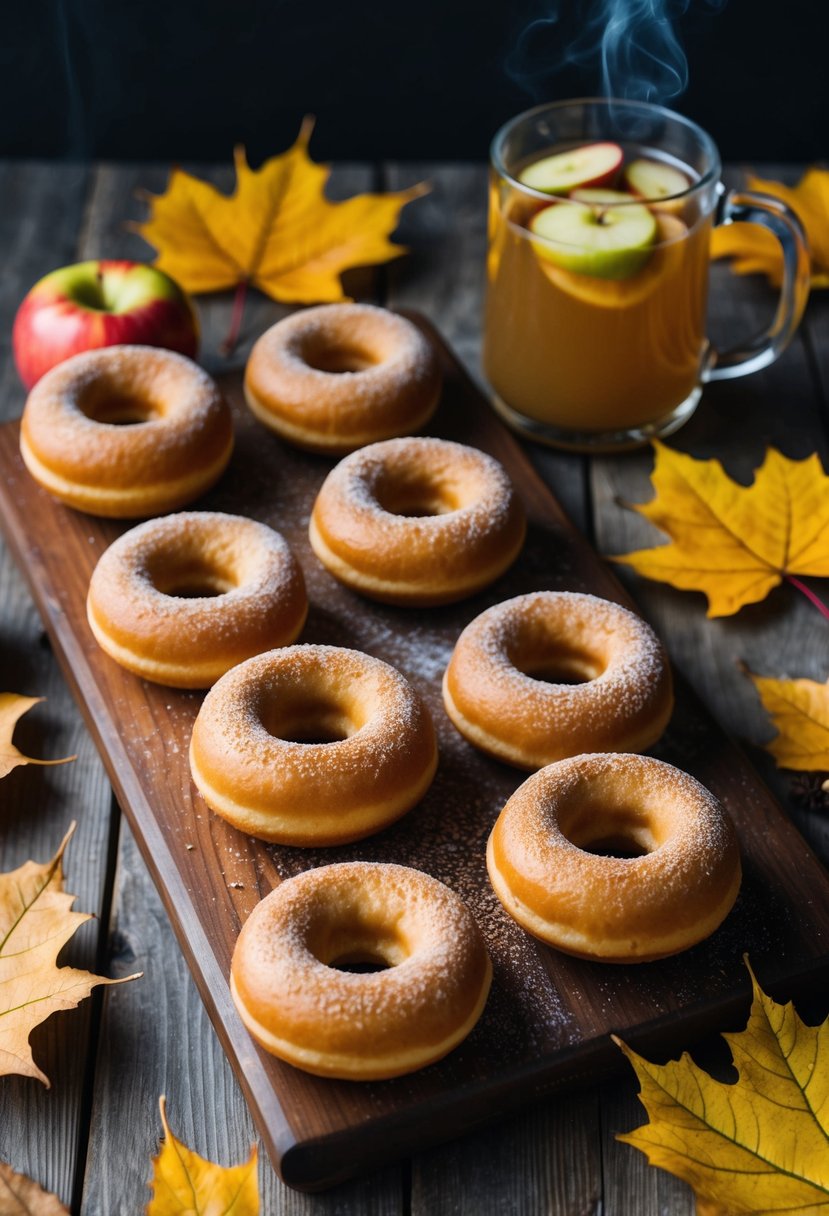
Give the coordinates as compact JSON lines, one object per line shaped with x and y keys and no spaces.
{"x":746,"y":207}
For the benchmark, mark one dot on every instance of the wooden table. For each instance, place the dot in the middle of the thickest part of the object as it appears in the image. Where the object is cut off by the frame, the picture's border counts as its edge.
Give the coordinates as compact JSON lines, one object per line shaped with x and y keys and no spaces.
{"x":89,"y":1137}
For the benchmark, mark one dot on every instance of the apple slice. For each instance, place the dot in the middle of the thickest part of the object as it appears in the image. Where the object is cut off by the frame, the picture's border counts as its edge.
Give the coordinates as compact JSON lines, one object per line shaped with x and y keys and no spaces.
{"x":654,"y":180}
{"x":666,"y":261}
{"x":607,"y":243}
{"x":601,"y":197}
{"x":590,"y":165}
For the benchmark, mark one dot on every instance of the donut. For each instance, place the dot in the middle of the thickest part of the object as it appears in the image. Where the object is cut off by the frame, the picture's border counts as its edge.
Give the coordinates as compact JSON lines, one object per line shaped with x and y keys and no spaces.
{"x":546,"y":865}
{"x":312,"y":745}
{"x":357,"y":1026}
{"x":556,"y":673}
{"x":182,"y":599}
{"x":333,"y":378}
{"x":417,"y":521}
{"x":126,"y":431}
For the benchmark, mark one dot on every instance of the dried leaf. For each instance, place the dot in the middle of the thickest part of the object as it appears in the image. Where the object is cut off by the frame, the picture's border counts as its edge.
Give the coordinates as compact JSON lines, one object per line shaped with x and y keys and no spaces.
{"x":19,"y":1196}
{"x":755,"y":251}
{"x":35,"y":924}
{"x":758,"y":1145}
{"x":277,"y":230}
{"x":13,"y":707}
{"x":184,"y":1184}
{"x":733,"y":542}
{"x":800,"y":711}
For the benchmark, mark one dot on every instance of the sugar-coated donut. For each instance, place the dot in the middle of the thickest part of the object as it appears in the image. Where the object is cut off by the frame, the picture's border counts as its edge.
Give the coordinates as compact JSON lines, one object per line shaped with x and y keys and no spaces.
{"x":360,"y":1026}
{"x":333,"y":378}
{"x":312,"y":745}
{"x":182,"y":599}
{"x":126,"y":431}
{"x":417,"y":521}
{"x":512,"y":685}
{"x":618,"y":908}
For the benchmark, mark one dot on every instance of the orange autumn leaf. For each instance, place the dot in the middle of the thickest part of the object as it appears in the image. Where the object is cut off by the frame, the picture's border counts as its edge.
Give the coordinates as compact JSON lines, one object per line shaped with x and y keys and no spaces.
{"x":36,"y":921}
{"x":732,"y":542}
{"x":184,"y":1184}
{"x":755,"y":251}
{"x":800,"y":711}
{"x":20,"y":1196}
{"x":13,"y":707}
{"x":757,"y":1145}
{"x":277,"y":230}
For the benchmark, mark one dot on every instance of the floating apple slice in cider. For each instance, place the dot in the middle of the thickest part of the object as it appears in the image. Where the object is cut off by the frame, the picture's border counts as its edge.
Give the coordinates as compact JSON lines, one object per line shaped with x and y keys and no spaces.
{"x":590,"y":165}
{"x":601,"y":197}
{"x":666,"y":258}
{"x":603,"y":242}
{"x":654,"y":180}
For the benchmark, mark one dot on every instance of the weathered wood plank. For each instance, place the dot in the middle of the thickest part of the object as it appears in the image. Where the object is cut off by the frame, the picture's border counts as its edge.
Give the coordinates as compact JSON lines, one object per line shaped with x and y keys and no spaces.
{"x":42,"y":1132}
{"x":162,"y":1040}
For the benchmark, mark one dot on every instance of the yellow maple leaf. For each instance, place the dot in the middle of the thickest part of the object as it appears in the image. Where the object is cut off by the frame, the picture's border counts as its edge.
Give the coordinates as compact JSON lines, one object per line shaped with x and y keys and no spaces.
{"x":758,"y":1145}
{"x":800,"y":711}
{"x":13,"y":707}
{"x":733,"y":542}
{"x":277,"y":230}
{"x":20,"y":1196}
{"x":184,"y":1184}
{"x":753,"y":248}
{"x":35,"y":923}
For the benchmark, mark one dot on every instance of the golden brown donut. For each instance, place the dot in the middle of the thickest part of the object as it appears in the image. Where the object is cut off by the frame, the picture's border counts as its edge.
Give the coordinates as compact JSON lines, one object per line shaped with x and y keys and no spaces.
{"x":618,"y":908}
{"x":333,"y":378}
{"x":417,"y":521}
{"x":312,"y":745}
{"x":181,"y":599}
{"x":126,"y":431}
{"x":556,"y":673}
{"x":360,"y":1026}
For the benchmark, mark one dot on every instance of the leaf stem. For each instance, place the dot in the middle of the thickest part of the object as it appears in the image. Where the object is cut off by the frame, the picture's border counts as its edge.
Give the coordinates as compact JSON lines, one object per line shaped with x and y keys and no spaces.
{"x":232,"y":337}
{"x":810,"y":595}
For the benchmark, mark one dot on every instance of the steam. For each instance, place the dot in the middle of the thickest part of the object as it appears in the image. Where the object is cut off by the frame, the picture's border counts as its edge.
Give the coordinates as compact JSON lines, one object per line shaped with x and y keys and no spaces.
{"x":633,"y":40}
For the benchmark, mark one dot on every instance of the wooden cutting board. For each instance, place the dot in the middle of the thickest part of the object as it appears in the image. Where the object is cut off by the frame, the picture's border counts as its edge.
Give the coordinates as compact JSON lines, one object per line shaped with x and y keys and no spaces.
{"x":549,"y":1017}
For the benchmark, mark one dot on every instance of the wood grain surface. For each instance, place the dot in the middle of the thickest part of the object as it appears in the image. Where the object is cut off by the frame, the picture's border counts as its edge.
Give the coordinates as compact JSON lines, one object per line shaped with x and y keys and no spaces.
{"x":89,"y":1138}
{"x":549,"y":1016}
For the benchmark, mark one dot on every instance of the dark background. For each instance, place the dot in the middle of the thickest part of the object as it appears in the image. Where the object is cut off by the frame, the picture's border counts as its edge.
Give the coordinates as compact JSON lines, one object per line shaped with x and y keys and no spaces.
{"x":179,"y":80}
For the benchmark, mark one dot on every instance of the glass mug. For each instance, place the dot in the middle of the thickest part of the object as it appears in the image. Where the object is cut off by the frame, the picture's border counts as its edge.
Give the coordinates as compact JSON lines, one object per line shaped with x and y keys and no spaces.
{"x":605,"y":361}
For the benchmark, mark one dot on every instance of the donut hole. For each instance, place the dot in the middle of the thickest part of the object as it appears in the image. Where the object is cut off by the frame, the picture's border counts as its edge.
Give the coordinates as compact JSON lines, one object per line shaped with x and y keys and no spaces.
{"x":620,"y":831}
{"x":191,"y":580}
{"x":336,"y":358}
{"x":415,"y":494}
{"x":296,"y":718}
{"x":555,"y":663}
{"x":117,"y":407}
{"x":359,"y":963}
{"x":354,"y":939}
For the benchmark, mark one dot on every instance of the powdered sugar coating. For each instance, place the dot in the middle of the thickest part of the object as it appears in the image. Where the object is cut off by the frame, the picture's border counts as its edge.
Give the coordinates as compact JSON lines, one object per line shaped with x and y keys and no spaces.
{"x":615,"y":907}
{"x":141,"y":592}
{"x":417,"y":519}
{"x":341,"y":375}
{"x":433,"y":988}
{"x":187,"y":420}
{"x":249,"y":765}
{"x":622,"y":703}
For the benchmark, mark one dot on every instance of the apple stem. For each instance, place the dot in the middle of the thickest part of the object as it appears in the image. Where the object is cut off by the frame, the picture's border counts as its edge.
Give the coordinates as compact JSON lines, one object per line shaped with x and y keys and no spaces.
{"x":810,"y":595}
{"x":232,"y":337}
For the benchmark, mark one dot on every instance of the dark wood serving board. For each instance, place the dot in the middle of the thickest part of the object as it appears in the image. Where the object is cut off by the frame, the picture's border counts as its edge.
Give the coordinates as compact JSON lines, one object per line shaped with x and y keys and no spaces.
{"x":549,"y":1016}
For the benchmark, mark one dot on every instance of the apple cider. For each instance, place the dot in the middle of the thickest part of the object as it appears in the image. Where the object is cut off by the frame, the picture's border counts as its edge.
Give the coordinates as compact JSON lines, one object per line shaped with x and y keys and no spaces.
{"x":597,"y":286}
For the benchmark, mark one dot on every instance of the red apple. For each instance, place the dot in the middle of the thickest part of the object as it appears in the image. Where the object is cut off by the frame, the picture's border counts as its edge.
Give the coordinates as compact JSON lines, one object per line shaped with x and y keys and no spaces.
{"x":94,"y":304}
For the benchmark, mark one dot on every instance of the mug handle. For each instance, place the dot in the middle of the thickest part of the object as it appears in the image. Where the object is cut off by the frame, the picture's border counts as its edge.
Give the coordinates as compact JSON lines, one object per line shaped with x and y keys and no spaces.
{"x":748,"y":207}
